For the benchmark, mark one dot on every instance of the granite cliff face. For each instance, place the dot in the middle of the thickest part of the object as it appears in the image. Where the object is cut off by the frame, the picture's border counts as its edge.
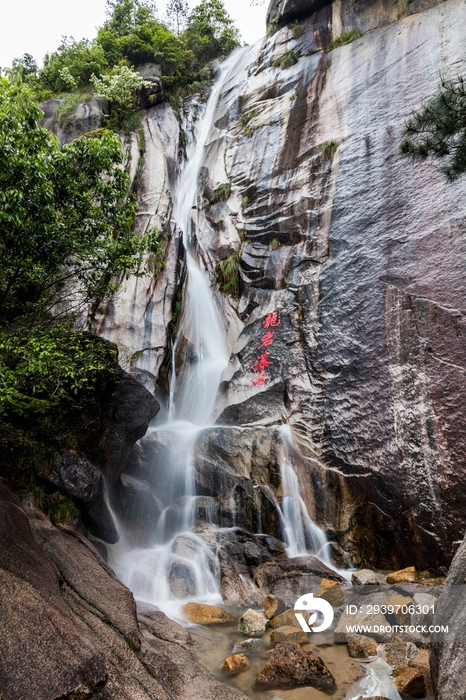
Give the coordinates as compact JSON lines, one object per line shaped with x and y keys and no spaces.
{"x":359,"y":253}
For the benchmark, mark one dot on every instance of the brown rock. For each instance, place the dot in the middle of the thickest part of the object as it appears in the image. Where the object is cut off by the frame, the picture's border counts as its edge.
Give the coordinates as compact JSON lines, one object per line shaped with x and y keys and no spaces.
{"x":397,"y":652}
{"x":408,"y":575}
{"x":288,"y":664}
{"x":400,"y":616}
{"x":252,"y":623}
{"x":273,"y":606}
{"x":288,"y":633}
{"x":410,"y":681}
{"x":360,"y":647}
{"x":202,"y":614}
{"x":331,"y":592}
{"x":235,"y":664}
{"x":285,"y":619}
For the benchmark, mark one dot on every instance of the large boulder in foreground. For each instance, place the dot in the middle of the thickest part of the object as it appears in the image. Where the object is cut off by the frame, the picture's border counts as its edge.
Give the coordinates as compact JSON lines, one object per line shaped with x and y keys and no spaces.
{"x":290,"y":665}
{"x":69,"y":627}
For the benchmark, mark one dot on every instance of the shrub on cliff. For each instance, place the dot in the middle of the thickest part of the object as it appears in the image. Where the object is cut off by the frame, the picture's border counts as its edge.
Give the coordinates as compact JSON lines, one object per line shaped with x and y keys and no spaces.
{"x":439,"y":129}
{"x":65,"y":233}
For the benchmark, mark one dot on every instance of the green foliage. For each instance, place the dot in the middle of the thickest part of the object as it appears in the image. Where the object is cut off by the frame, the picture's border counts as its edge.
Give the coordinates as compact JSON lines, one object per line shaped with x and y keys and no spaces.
{"x":273,"y":27}
{"x":288,"y":60}
{"x":221,"y":194}
{"x":118,"y":87}
{"x":244,"y":120}
{"x":48,"y":377}
{"x":228,"y":277}
{"x":244,"y":202}
{"x":439,"y":129}
{"x":210,"y":32}
{"x":78,"y":59}
{"x":65,"y":219}
{"x":57,"y":506}
{"x":345,"y":39}
{"x":27,"y":64}
{"x":157,"y":243}
{"x":275,"y":244}
{"x":297,"y":30}
{"x":329,"y":149}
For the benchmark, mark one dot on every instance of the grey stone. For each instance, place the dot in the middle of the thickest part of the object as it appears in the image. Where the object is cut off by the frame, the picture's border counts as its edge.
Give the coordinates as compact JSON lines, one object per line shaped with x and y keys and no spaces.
{"x":252,"y":623}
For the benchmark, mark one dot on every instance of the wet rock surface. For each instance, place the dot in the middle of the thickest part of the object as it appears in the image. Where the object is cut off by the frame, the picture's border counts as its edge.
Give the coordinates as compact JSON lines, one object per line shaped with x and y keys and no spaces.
{"x":252,"y":623}
{"x":69,"y":626}
{"x":288,"y":665}
{"x":203,"y":614}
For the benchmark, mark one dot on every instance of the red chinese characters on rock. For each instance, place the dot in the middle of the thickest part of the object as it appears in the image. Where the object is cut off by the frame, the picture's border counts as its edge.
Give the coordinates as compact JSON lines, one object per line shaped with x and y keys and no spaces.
{"x":271,"y":320}
{"x":263,"y":361}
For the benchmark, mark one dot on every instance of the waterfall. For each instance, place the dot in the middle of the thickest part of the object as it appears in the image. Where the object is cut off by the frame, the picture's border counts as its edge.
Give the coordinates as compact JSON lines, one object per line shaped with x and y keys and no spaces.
{"x":300,"y":534}
{"x":173,"y":563}
{"x":178,"y":563}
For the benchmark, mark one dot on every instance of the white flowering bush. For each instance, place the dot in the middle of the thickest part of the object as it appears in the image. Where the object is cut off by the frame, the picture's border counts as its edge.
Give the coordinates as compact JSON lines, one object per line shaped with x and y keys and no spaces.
{"x":118,"y":86}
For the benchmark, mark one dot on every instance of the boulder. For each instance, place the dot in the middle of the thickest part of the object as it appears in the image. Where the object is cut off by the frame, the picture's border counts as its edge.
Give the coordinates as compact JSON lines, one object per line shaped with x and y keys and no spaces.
{"x":364,"y":577}
{"x":410,"y":681}
{"x":361,"y":647}
{"x":87,"y":116}
{"x":237,"y":663}
{"x":152,"y":94}
{"x":408,"y":575}
{"x":252,"y":623}
{"x":289,"y":665}
{"x":203,"y":614}
{"x":401,"y":615}
{"x":287,"y":618}
{"x":331,"y":592}
{"x":244,"y":647}
{"x":424,"y":601}
{"x":273,"y":606}
{"x":289,"y":633}
{"x":398,"y":652}
{"x":76,"y":476}
{"x":373,"y":623}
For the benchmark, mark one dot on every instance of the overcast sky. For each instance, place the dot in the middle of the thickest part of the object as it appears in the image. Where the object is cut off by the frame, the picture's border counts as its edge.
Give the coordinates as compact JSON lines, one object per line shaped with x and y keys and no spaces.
{"x":36,"y":26}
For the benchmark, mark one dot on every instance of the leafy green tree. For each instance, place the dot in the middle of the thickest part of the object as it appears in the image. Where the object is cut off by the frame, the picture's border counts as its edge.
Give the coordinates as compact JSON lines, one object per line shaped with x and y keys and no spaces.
{"x":79,"y":59}
{"x":210,"y":32}
{"x":27,"y":64}
{"x":65,"y":219}
{"x":439,"y":129}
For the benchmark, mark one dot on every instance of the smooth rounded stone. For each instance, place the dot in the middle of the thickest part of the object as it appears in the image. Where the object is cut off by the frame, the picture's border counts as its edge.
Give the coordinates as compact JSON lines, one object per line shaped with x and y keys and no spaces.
{"x":399,"y":616}
{"x":203,"y":614}
{"x":361,"y":647}
{"x":289,"y":634}
{"x":182,"y":580}
{"x":331,"y":592}
{"x":408,"y":575}
{"x":410,"y":681}
{"x":237,"y":663}
{"x":286,"y":618}
{"x":290,"y":665}
{"x":365,"y":577}
{"x":252,"y":623}
{"x":244,"y":647}
{"x":273,"y":606}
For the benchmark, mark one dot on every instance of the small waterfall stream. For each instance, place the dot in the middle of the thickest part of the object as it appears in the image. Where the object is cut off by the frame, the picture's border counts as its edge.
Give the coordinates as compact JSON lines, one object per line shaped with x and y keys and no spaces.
{"x":177,"y":564}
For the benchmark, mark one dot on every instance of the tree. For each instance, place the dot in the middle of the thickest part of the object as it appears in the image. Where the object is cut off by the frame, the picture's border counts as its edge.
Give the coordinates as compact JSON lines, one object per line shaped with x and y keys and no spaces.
{"x":177,"y":13}
{"x":211,"y":32}
{"x":65,"y":219}
{"x":439,"y":129}
{"x":79,"y":59}
{"x":27,"y":63}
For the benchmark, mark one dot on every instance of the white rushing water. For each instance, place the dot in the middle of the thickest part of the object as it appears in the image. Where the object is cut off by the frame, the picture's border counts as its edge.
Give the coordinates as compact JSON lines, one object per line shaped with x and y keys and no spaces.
{"x":177,"y":564}
{"x":300,"y":534}
{"x":178,"y":557}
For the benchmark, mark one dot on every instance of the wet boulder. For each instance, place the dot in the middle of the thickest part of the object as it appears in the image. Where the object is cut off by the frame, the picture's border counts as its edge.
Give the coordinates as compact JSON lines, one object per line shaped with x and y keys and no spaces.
{"x":252,"y":623}
{"x":289,"y":665}
{"x":203,"y":614}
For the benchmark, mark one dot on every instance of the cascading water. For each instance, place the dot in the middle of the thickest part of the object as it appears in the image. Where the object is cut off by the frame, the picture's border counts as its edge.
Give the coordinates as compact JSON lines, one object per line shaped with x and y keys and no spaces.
{"x":175,"y":563}
{"x":301,"y":535}
{"x":176,"y":552}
